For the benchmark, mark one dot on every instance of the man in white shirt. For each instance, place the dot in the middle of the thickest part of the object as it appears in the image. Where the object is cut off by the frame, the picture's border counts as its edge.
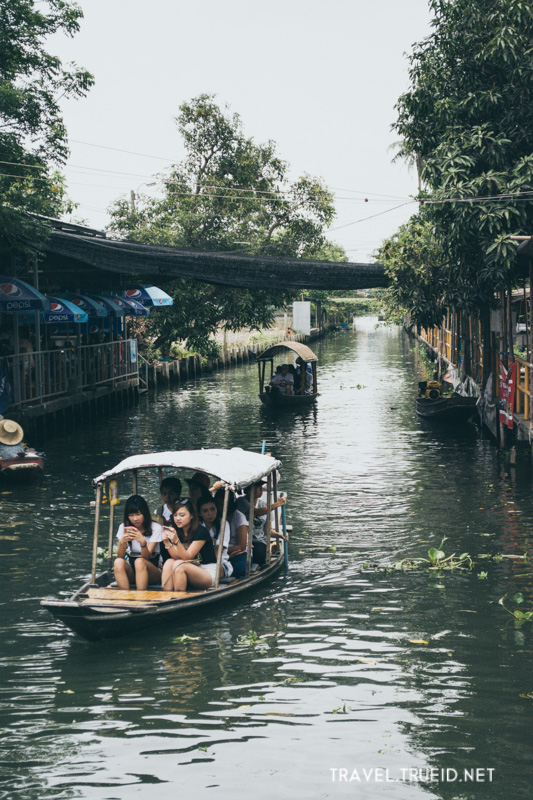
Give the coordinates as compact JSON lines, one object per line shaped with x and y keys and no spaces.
{"x":284,"y":380}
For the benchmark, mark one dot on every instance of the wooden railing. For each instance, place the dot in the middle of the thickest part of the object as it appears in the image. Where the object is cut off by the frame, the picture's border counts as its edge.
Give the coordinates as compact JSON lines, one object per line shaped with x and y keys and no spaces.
{"x":522,"y":400}
{"x":43,"y":375}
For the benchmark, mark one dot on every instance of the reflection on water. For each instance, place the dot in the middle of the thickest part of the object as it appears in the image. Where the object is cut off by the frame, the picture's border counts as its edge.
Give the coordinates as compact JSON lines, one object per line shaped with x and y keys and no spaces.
{"x":356,"y":667}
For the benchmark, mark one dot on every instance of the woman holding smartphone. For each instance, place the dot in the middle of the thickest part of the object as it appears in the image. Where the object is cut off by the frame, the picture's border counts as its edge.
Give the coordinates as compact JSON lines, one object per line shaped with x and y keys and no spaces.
{"x":187,"y":541}
{"x":138,"y":553}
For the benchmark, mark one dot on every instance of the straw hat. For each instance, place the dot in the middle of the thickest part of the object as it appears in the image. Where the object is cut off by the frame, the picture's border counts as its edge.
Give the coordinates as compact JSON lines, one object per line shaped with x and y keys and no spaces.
{"x":10,"y":432}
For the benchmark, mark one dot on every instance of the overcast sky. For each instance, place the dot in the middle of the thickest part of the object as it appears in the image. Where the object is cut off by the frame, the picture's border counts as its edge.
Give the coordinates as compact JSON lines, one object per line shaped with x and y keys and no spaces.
{"x":319,"y":78}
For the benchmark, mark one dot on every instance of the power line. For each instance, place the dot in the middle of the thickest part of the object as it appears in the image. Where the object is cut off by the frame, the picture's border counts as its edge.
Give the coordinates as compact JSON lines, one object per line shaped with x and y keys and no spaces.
{"x":363,"y":219}
{"x":119,"y":150}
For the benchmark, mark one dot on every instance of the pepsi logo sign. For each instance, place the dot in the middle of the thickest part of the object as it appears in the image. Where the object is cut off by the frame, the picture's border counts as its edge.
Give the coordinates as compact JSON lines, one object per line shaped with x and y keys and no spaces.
{"x":56,"y":307}
{"x":133,"y":293}
{"x":10,"y":289}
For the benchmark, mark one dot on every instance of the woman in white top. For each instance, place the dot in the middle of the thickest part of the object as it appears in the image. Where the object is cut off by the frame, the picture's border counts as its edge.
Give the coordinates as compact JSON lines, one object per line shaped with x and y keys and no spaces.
{"x":209,"y":515}
{"x":138,"y":553}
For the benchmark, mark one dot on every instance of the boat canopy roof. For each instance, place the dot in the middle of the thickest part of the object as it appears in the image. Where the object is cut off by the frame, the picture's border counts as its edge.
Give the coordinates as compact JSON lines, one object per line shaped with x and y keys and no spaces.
{"x":237,"y":468}
{"x":300,"y":349}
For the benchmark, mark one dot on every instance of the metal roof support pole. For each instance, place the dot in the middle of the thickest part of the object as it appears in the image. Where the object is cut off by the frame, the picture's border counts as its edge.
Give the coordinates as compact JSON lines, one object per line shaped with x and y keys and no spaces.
{"x":37,"y":319}
{"x":17,"y":362}
{"x":249,"y":544}
{"x":111,"y":527}
{"x":96,"y":529}
{"x":276,"y":510}
{"x":221,"y":535}
{"x":268,"y":519}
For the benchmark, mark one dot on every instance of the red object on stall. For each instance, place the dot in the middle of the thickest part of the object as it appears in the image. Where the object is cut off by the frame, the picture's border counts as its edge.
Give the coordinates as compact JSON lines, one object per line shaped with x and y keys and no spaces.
{"x":507,"y":392}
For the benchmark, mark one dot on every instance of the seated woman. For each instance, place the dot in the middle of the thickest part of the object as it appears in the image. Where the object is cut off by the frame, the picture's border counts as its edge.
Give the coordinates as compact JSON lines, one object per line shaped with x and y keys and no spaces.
{"x":187,"y":541}
{"x":211,"y":516}
{"x":238,"y":525}
{"x":138,"y":554}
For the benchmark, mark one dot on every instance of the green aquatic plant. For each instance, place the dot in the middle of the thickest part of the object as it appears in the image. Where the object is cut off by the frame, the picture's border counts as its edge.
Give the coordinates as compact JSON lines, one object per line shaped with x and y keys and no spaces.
{"x":437,"y":560}
{"x":520,"y":616}
{"x":251,"y":638}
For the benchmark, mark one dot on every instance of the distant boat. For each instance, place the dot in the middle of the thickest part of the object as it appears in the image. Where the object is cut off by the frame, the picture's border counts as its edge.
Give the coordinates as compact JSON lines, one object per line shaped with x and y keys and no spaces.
{"x":24,"y":467}
{"x":305,"y":394}
{"x":16,"y":459}
{"x":430,"y":404}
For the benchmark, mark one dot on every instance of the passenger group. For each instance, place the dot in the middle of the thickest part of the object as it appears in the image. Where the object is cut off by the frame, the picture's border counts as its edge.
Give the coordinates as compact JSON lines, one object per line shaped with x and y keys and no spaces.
{"x":180,"y":552}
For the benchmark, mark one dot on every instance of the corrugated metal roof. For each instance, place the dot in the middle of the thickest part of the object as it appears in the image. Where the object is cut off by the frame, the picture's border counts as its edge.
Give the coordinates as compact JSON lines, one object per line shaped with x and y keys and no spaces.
{"x":236,"y":467}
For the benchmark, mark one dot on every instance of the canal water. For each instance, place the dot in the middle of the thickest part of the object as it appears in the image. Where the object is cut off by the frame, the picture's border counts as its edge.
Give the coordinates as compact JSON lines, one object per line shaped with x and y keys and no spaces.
{"x":344,"y":677}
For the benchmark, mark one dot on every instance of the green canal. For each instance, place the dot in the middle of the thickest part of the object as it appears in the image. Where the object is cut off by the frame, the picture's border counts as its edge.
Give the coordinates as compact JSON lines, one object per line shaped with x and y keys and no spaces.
{"x":343,"y":678}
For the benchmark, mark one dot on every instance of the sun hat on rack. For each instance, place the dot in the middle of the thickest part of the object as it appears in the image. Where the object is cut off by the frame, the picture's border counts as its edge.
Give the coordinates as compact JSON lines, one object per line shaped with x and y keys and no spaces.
{"x":10,"y":432}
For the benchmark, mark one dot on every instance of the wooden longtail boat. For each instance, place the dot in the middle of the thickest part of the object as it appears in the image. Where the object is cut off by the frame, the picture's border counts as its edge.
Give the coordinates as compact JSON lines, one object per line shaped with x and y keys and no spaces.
{"x":100,"y":610}
{"x":455,"y":408}
{"x":304,"y":395}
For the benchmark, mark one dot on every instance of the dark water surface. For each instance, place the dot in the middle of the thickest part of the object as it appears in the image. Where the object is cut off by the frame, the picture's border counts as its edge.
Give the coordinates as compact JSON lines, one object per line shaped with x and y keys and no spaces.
{"x":337,"y":681}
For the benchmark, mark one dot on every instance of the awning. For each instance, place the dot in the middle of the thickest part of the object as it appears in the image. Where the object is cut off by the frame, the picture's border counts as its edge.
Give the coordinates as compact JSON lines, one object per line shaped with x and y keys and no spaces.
{"x":149,"y":296}
{"x":63,"y":311}
{"x":17,"y":295}
{"x":91,"y":307}
{"x":236,"y":467}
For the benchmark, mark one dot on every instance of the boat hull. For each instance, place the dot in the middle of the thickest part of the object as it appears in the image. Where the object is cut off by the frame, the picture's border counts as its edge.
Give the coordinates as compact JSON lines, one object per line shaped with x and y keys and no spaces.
{"x":97,"y":622}
{"x":278,"y":400}
{"x":23,"y":469}
{"x":447,"y":409}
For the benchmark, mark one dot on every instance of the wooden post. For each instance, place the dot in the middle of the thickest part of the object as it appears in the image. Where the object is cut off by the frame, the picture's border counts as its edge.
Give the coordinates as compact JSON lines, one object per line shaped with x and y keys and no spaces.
{"x":134,"y":478}
{"x":510,"y":324}
{"x":268,"y":519}
{"x":221,"y":535}
{"x":315,"y":383}
{"x":250,"y":531}
{"x":96,"y":529}
{"x":503,"y":329}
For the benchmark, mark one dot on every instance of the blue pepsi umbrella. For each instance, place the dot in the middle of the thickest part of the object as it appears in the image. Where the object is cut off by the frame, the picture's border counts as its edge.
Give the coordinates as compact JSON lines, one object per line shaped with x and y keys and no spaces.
{"x":110,"y":303}
{"x":64,"y":311}
{"x":91,"y":307}
{"x":131,"y":308}
{"x":149,"y":296}
{"x":17,"y":295}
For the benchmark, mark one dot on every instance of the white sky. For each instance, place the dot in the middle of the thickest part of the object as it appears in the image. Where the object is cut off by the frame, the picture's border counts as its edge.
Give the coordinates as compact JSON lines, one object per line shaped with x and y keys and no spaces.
{"x":319,"y":78}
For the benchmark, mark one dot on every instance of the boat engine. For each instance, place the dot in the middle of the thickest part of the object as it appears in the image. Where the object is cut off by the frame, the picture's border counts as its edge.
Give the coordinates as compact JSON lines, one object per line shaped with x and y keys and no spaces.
{"x":433,"y":390}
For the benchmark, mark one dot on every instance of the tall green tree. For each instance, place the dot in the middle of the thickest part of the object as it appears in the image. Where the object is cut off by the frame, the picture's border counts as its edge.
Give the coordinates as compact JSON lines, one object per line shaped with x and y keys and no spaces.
{"x":467,"y":122}
{"x":33,"y":138}
{"x":228,"y":194}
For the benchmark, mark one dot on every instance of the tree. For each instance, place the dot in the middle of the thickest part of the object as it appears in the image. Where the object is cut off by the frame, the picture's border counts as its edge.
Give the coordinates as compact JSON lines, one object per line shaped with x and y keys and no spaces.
{"x":229,"y":194}
{"x":418,"y":274}
{"x":33,"y":138}
{"x":467,"y":122}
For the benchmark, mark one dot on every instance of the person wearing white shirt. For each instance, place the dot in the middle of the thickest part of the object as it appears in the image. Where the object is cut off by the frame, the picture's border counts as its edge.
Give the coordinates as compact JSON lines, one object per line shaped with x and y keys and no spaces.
{"x":138,"y":551}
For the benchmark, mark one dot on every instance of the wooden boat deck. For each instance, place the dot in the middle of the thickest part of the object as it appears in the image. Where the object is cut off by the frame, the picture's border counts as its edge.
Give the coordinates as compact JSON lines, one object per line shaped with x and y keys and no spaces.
{"x":132,"y":597}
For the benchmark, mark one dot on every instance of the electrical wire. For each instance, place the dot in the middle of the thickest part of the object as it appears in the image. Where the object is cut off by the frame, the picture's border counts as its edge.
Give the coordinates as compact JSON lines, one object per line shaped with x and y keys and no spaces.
{"x":363,"y":219}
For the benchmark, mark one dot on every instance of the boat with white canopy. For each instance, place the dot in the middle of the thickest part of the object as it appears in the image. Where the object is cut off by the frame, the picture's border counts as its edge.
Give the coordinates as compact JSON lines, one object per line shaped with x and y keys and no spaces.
{"x":99,"y":609}
{"x":284,"y":394}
